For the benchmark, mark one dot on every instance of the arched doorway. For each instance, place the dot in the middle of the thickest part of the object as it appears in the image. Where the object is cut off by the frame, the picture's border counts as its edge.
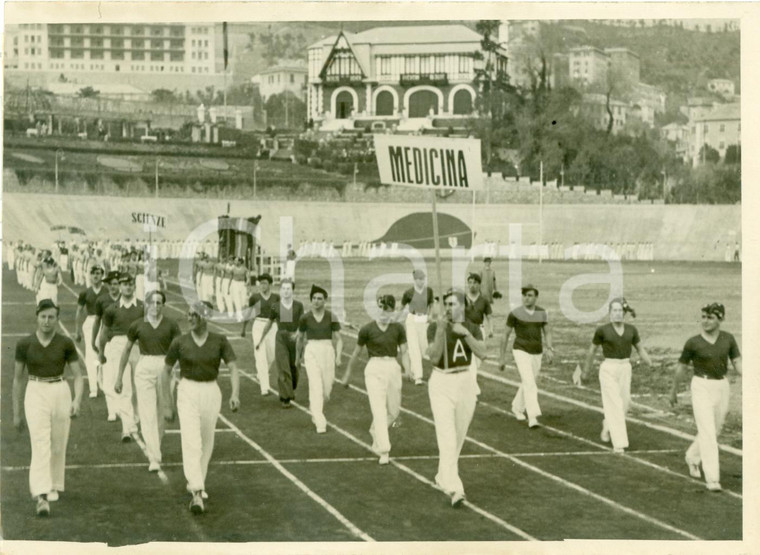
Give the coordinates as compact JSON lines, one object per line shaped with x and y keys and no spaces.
{"x":462,"y":102}
{"x":384,"y":104}
{"x":344,"y":104}
{"x":421,"y":102}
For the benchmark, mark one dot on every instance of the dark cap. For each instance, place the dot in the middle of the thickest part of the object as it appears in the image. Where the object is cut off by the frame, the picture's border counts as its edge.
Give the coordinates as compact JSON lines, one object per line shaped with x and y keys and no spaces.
{"x":316,"y":289}
{"x":97,"y":268}
{"x":126,"y":278}
{"x":487,"y":259}
{"x":623,"y":303}
{"x":715,"y":308}
{"x":529,"y":287}
{"x":458,"y":293}
{"x":266,"y":277}
{"x":201,"y":308}
{"x":474,"y":276}
{"x":111,"y":276}
{"x":46,"y":304}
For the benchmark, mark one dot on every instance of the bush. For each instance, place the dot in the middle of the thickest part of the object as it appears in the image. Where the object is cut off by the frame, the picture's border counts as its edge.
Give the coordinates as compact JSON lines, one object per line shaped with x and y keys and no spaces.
{"x":315,"y":163}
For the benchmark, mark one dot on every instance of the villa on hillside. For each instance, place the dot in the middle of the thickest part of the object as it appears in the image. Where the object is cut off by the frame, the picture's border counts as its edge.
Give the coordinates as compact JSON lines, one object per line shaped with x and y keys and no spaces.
{"x":400,"y":76}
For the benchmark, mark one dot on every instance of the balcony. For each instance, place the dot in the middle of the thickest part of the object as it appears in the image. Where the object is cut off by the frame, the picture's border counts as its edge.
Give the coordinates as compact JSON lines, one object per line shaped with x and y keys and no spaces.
{"x":348,"y":79}
{"x":413,"y":79}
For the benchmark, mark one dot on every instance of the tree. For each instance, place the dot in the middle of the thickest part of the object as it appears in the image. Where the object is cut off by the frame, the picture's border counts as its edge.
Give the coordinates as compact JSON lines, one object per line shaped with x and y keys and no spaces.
{"x":733,"y":155}
{"x":285,"y":110}
{"x":164,"y":96}
{"x":708,"y":154}
{"x":88,"y":92}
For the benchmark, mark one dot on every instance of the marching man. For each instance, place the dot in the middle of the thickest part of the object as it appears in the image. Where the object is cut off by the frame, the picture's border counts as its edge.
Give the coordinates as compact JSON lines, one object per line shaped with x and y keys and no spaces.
{"x":85,"y":319}
{"x":48,"y":279}
{"x":530,"y":323}
{"x":154,"y":334}
{"x":48,"y":408}
{"x":418,"y":302}
{"x":451,"y":389}
{"x":199,"y":399}
{"x":320,"y":346}
{"x":103,"y":301}
{"x":384,"y":339}
{"x":263,"y":344}
{"x":708,"y":353}
{"x":478,"y":311}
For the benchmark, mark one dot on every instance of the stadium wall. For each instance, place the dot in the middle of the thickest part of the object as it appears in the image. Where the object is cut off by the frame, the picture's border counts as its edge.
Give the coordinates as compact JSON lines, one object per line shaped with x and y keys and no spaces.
{"x":679,"y":232}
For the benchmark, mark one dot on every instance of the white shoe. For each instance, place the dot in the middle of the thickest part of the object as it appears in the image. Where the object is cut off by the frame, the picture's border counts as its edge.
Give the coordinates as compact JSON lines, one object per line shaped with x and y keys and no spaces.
{"x":533,"y":423}
{"x":605,"y":435}
{"x":93,"y":394}
{"x":321,"y":430}
{"x":204,"y":495}
{"x":618,"y":450}
{"x":154,"y":466}
{"x":112,"y":418}
{"x":419,"y":381}
{"x":53,"y":495}
{"x":714,"y":486}
{"x":384,"y":459}
{"x":518,"y":415}
{"x":264,"y":393}
{"x":457,"y":499}
{"x":693,"y":470}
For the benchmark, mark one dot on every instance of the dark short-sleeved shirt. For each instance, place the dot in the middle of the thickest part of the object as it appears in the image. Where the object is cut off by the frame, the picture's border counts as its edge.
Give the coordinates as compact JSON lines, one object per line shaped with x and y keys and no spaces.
{"x":118,"y":318}
{"x":381,"y":343}
{"x":476,"y":311}
{"x":153,"y":341}
{"x":46,"y":362}
{"x":196,"y":363}
{"x":287,"y":319}
{"x":103,"y":302}
{"x":528,"y":329}
{"x":710,"y":360}
{"x":418,"y":302}
{"x":458,"y":350}
{"x":318,"y":330}
{"x":88,"y":298}
{"x":615,"y":345}
{"x":263,"y":306}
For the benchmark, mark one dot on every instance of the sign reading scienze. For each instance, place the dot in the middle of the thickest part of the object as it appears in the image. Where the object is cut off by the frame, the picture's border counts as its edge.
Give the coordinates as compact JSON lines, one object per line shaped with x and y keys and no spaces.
{"x":429,"y":162}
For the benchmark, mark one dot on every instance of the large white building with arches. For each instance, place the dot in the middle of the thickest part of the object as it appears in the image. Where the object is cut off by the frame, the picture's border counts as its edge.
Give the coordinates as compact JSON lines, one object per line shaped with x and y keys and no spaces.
{"x":393,"y":75}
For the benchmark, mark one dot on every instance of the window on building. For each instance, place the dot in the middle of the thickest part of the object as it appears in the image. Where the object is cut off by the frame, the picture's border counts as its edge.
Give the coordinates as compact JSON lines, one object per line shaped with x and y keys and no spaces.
{"x":721,"y":145}
{"x":156,"y":44}
{"x":722,"y":128}
{"x":177,"y":31}
{"x":96,"y":29}
{"x":138,"y":55}
{"x":96,"y":54}
{"x":410,"y":64}
{"x":56,"y":53}
{"x":177,"y":56}
{"x":193,"y":68}
{"x":117,"y":54}
{"x":117,"y":43}
{"x":176,"y":44}
{"x":156,"y":56}
{"x":138,"y":43}
{"x":464,"y":64}
{"x":156,"y":31}
{"x":425,"y":64}
{"x":292,"y":78}
{"x":138,"y":30}
{"x":96,"y":43}
{"x":76,"y":29}
{"x":77,"y":42}
{"x":77,"y":53}
{"x":205,"y":43}
{"x":117,"y":30}
{"x":706,"y":128}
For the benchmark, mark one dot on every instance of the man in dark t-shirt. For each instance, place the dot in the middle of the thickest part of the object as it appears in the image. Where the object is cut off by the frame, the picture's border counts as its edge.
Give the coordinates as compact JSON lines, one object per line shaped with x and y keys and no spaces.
{"x":320,"y":342}
{"x":529,"y":322}
{"x":85,"y":320}
{"x":384,"y":340}
{"x":199,"y":399}
{"x":47,"y":404}
{"x":263,"y":353}
{"x":453,"y":343}
{"x":417,"y":301}
{"x":708,"y":353}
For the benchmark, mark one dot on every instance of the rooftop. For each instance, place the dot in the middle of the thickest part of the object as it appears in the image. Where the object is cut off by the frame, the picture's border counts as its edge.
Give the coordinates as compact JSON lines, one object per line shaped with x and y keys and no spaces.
{"x":722,"y":112}
{"x":414,"y":34}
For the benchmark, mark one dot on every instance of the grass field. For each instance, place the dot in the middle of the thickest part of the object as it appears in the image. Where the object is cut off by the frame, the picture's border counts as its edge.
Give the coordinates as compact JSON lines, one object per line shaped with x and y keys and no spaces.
{"x":272,"y":479}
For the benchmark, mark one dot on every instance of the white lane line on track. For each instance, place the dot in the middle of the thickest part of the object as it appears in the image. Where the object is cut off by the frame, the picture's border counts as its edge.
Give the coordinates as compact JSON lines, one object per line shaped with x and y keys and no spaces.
{"x":373,"y":459}
{"x":355,"y":530}
{"x":628,"y":455}
{"x":600,"y":410}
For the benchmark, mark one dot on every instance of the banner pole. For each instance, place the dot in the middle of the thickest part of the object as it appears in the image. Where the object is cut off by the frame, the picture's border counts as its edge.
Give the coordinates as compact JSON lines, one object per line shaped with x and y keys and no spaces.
{"x":436,"y":240}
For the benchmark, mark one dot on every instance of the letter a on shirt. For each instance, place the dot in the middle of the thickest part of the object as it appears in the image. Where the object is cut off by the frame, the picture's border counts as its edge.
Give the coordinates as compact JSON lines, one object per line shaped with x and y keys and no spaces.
{"x":459,"y":351}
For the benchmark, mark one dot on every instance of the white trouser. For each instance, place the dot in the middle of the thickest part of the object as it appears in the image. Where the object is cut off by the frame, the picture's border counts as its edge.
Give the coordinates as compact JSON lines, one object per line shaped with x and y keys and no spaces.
{"x":151,"y":383}
{"x":11,"y":259}
{"x":319,"y":359}
{"x":120,"y":403}
{"x":615,"y":383}
{"x":709,"y":399}
{"x":476,"y":362}
{"x":382,"y":377}
{"x":64,"y":262}
{"x":47,"y":407}
{"x":198,"y":406}
{"x":290,"y":269}
{"x":239,"y":301}
{"x":416,"y":338}
{"x":90,"y":356}
{"x":452,"y":400}
{"x":221,"y":298}
{"x":526,"y":399}
{"x":207,"y":287}
{"x":264,"y":356}
{"x":47,"y":290}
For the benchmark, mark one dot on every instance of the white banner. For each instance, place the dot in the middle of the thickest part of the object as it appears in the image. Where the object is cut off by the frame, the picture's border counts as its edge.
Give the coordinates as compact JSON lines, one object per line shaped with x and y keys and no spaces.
{"x":429,"y":162}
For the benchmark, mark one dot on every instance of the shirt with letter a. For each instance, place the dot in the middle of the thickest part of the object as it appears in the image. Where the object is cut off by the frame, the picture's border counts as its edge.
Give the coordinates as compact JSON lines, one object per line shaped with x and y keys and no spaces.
{"x":457,"y":349}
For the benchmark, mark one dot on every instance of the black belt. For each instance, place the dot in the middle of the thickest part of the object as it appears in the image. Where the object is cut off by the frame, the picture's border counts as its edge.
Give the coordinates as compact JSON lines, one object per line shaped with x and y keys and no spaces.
{"x":706,"y":377}
{"x":54,"y":379}
{"x":455,"y":370}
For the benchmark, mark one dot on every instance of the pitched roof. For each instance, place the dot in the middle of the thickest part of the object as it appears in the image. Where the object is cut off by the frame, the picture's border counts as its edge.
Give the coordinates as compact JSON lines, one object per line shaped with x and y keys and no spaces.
{"x":721,"y":112}
{"x":408,"y":35}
